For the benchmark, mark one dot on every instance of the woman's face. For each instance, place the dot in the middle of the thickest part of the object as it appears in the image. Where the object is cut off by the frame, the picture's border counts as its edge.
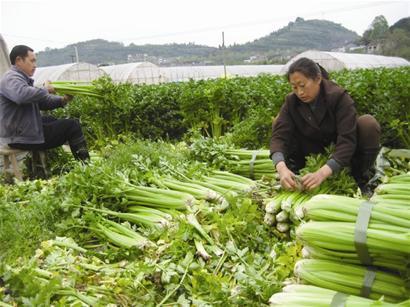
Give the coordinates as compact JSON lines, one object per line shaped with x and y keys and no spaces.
{"x":305,"y":88}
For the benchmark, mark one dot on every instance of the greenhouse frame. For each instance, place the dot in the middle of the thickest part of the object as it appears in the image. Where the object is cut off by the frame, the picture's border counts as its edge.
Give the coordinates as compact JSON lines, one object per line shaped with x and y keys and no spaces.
{"x":148,"y":73}
{"x":335,"y":61}
{"x":83,"y":72}
{"x":138,"y":72}
{"x":185,"y":73}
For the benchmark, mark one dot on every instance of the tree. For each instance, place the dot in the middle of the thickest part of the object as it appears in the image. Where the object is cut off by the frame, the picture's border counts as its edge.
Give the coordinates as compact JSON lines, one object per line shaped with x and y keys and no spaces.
{"x":380,"y":28}
{"x":397,"y":44}
{"x":376,"y":31}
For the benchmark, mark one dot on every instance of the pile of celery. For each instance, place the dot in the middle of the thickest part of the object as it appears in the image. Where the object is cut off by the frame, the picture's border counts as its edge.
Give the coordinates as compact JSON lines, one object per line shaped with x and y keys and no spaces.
{"x":155,"y":206}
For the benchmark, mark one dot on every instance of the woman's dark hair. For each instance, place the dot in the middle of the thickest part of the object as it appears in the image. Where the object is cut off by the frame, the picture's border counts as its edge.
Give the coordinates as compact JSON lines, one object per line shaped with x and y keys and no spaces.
{"x":308,"y":68}
{"x":19,"y":50}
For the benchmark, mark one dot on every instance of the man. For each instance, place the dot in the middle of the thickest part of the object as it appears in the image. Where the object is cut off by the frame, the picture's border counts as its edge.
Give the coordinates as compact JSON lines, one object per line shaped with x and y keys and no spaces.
{"x":21,"y":124}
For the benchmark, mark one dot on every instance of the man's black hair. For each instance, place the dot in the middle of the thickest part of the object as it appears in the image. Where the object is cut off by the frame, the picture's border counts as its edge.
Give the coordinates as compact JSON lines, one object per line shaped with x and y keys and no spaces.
{"x":19,"y":50}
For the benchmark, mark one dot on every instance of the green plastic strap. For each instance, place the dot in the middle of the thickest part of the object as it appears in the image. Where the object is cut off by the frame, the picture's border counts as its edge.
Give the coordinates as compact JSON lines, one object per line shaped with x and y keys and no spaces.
{"x":360,"y":232}
{"x":251,"y":163}
{"x":339,"y":300}
{"x":368,"y":281}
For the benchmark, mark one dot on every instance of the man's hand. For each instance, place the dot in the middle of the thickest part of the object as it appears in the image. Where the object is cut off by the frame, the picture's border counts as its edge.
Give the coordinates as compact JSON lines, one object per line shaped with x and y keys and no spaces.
{"x":286,"y":176}
{"x":67,"y":98}
{"x":49,"y":87}
{"x":313,"y":180}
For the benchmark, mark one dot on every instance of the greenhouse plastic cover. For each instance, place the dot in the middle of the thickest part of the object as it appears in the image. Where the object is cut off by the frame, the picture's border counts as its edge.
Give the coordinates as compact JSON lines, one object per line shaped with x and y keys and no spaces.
{"x":184,"y":73}
{"x":84,"y":72}
{"x":138,"y":72}
{"x":148,"y":73}
{"x":4,"y":56}
{"x":334,"y":61}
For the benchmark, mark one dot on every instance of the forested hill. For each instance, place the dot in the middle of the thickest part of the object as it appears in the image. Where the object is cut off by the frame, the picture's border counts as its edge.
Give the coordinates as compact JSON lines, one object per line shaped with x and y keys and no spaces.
{"x":100,"y":51}
{"x":321,"y":34}
{"x":297,"y":36}
{"x":301,"y":35}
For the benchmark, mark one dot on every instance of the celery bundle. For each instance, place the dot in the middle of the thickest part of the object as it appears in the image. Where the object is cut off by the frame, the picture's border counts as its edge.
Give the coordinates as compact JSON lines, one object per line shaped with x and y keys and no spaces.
{"x":196,"y":190}
{"x":230,"y":181}
{"x":252,"y":163}
{"x":350,"y":279}
{"x":396,"y":192}
{"x":332,"y":234}
{"x":155,"y":197}
{"x":280,"y":209}
{"x":75,"y":89}
{"x":121,"y":235}
{"x":225,"y":183}
{"x":149,"y":217}
{"x":285,"y":209}
{"x":326,"y":207}
{"x":388,"y":245}
{"x":395,"y":262}
{"x":308,"y":296}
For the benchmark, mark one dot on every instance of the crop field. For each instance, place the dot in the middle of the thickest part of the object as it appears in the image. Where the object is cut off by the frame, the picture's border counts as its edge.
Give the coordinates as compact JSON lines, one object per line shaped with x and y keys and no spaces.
{"x":180,"y":205}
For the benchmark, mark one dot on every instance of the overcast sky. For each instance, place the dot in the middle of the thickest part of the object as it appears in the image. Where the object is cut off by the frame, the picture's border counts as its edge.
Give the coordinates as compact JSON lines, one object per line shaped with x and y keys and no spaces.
{"x":57,"y":23}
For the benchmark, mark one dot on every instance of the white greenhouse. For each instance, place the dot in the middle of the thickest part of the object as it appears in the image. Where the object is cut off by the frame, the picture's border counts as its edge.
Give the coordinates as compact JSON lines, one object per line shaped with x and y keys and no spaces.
{"x":253,"y":70}
{"x":185,"y":73}
{"x":137,"y":73}
{"x":83,"y":72}
{"x":4,"y":56}
{"x":334,"y":61}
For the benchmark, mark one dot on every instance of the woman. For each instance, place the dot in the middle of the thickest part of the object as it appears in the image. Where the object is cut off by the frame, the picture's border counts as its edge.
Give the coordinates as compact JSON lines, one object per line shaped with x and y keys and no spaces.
{"x":316,"y":114}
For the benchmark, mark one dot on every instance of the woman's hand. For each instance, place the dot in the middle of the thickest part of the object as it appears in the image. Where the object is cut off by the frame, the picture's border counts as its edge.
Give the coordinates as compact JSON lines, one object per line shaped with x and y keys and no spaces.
{"x":287,"y":177}
{"x":313,"y":180}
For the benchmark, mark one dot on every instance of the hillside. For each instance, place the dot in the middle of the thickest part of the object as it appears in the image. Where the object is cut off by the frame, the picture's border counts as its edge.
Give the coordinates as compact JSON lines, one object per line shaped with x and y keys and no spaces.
{"x":403,"y":24}
{"x":274,"y":48}
{"x":397,"y":39}
{"x":390,"y":41}
{"x":301,"y":35}
{"x":100,"y":51}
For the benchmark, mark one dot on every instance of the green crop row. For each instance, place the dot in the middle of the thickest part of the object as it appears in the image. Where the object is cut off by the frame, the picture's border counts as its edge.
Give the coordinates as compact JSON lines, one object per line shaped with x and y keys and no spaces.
{"x":243,"y":107}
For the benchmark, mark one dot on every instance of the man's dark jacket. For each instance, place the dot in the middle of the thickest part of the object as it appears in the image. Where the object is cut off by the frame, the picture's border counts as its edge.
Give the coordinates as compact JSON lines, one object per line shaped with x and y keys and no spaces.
{"x":20,"y":105}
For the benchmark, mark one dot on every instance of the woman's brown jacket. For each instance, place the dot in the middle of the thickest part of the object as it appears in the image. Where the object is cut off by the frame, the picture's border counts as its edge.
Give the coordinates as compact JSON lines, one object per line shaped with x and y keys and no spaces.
{"x":333,"y":121}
